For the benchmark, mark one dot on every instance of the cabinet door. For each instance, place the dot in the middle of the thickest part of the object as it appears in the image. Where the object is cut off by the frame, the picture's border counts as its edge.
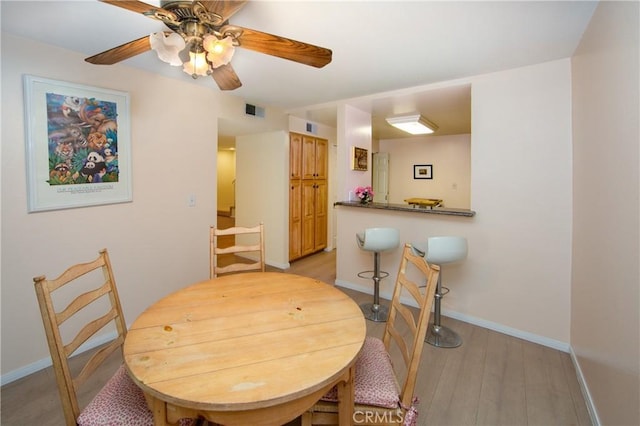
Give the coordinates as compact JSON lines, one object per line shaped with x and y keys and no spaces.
{"x":321,"y":215}
{"x":308,"y":157}
{"x":295,"y":155}
{"x":321,"y":156}
{"x":308,"y":217}
{"x":295,"y":219}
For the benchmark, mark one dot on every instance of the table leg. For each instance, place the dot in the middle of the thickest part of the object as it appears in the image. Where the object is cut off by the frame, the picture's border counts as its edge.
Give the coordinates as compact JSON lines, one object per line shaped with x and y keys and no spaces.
{"x":346,"y":399}
{"x":159,"y":409}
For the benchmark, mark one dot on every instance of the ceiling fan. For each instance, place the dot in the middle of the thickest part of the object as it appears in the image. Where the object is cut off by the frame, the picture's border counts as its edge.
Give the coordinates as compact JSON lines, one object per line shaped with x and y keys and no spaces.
{"x":201,"y":29}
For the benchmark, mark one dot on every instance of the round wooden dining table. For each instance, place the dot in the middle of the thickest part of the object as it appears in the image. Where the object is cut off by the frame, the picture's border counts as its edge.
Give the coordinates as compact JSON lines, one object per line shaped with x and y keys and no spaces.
{"x":254,"y":348}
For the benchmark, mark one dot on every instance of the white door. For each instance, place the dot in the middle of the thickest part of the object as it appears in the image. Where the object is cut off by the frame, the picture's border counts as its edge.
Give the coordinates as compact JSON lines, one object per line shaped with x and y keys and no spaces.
{"x":380,"y":177}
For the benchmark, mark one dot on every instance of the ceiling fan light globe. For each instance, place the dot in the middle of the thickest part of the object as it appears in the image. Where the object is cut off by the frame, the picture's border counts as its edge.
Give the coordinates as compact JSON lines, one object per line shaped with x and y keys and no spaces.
{"x":167,"y":47}
{"x":220,"y":51}
{"x":197,"y":65}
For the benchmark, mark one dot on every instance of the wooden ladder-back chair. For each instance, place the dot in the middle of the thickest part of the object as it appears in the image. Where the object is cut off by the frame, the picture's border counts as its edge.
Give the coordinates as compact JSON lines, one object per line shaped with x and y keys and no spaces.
{"x":384,"y":392}
{"x":120,"y":401}
{"x":254,"y":248}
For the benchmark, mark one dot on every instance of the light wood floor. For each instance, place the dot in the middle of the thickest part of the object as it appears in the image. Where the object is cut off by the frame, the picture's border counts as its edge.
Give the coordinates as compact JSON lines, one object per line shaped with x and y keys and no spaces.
{"x":492,"y":379}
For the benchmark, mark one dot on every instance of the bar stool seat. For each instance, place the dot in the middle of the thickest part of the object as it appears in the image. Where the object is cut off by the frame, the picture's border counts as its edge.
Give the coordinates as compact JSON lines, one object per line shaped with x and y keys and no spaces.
{"x":441,"y":251}
{"x":376,"y":240}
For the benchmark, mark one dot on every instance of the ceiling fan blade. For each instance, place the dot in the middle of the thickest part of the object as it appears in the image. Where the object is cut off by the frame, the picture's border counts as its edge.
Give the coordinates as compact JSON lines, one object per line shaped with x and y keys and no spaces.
{"x":122,"y":52}
{"x":147,"y":10}
{"x":226,"y":77}
{"x":133,"y":5}
{"x":226,"y":9}
{"x":281,"y":47}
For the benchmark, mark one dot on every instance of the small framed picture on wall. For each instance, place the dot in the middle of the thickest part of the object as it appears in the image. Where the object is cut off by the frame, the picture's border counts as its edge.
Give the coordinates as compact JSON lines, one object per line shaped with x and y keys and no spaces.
{"x":423,"y":171}
{"x":359,"y":159}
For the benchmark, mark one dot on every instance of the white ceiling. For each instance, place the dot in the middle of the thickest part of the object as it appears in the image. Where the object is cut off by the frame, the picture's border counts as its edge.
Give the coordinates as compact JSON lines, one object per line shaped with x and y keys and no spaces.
{"x":378,"y":47}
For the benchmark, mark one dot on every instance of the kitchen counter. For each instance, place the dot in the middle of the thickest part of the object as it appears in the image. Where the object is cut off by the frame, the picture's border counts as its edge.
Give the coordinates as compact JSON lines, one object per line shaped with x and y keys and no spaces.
{"x":408,"y":208}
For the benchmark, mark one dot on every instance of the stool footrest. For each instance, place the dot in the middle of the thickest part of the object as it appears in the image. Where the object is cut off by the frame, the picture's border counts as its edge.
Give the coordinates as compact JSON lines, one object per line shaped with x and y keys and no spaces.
{"x":371,"y":274}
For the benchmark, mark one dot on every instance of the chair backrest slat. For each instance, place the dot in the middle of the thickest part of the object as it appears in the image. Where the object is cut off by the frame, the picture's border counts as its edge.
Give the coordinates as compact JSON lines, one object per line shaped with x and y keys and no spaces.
{"x":81,"y":301}
{"x":237,"y":263}
{"x":410,"y":344}
{"x":52,"y":319}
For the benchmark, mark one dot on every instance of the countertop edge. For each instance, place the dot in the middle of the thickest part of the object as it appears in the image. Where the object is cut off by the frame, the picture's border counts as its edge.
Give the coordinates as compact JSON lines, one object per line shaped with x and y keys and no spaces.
{"x":410,"y":209}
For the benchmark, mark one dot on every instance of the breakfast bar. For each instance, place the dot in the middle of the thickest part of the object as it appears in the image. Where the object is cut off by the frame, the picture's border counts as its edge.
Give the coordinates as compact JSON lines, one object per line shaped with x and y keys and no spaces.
{"x":415,"y":225}
{"x":413,"y":208}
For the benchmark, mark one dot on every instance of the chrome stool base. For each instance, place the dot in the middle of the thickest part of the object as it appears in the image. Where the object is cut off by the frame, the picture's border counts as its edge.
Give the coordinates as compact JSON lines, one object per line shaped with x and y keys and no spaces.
{"x":376,"y":240}
{"x":442,"y":337}
{"x":373,"y":312}
{"x":438,"y":335}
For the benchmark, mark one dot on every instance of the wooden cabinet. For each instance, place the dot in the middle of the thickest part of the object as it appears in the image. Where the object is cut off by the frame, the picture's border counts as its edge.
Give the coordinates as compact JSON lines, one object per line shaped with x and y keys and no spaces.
{"x":320,"y":229}
{"x":307,"y":195}
{"x":314,"y":158}
{"x":295,"y":156}
{"x":295,"y":219}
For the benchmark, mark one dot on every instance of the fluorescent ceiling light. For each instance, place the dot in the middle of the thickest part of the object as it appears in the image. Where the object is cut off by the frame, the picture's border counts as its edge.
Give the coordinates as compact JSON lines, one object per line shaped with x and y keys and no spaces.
{"x":412,"y":123}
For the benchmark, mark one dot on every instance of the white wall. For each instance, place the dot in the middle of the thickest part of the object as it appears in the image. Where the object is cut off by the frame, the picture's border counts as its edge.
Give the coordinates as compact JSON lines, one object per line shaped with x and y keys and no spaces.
{"x":517,"y":276}
{"x":262,"y":177}
{"x":605,"y":294}
{"x":450,"y":158}
{"x":354,"y":130}
{"x":157,"y":242}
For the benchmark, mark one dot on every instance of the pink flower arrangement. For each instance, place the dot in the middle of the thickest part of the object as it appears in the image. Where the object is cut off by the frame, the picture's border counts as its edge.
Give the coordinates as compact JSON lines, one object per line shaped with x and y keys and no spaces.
{"x":364,"y":193}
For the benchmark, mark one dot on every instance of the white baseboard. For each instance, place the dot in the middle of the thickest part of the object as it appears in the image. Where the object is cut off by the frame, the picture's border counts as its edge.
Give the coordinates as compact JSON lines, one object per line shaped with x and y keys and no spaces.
{"x":278,"y":265}
{"x":593,"y":413}
{"x":500,"y":328}
{"x":46,"y":362}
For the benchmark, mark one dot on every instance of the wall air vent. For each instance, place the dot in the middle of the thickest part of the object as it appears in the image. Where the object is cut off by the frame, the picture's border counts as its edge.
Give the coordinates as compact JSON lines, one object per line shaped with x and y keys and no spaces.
{"x":253,"y":110}
{"x":312,"y":128}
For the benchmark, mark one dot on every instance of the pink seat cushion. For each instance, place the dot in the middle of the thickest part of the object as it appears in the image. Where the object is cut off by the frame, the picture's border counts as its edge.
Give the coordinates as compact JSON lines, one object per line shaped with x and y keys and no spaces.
{"x":375,"y":382}
{"x":120,"y":402}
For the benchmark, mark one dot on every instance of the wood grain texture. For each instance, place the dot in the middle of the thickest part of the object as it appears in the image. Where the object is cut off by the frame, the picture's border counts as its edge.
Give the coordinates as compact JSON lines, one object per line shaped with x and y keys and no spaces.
{"x":226,"y":9}
{"x":229,"y":346}
{"x":226,"y":78}
{"x":222,"y":241}
{"x":285,"y":48}
{"x":122,"y":52}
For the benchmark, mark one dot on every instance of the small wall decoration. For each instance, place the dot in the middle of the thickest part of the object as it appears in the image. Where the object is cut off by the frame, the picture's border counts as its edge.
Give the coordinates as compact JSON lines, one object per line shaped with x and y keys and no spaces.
{"x":78,"y":145}
{"x":359,"y":159}
{"x":423,"y":171}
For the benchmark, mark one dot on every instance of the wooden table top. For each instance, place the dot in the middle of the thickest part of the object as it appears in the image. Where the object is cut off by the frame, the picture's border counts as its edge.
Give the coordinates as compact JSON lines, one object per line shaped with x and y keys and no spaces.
{"x":244,"y":342}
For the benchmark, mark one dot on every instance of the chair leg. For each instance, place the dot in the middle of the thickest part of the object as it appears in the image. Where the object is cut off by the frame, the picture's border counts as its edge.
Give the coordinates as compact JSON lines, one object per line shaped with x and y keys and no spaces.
{"x":306,"y":418}
{"x":438,"y":335}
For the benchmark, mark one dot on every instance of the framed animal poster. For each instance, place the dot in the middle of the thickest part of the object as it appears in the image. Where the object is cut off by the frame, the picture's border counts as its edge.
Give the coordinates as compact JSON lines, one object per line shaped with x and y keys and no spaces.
{"x":78,"y":145}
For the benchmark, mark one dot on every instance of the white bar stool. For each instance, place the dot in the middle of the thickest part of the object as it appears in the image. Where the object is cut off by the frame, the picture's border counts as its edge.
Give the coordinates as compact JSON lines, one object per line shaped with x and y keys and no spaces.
{"x":441,"y":251}
{"x":376,"y":240}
